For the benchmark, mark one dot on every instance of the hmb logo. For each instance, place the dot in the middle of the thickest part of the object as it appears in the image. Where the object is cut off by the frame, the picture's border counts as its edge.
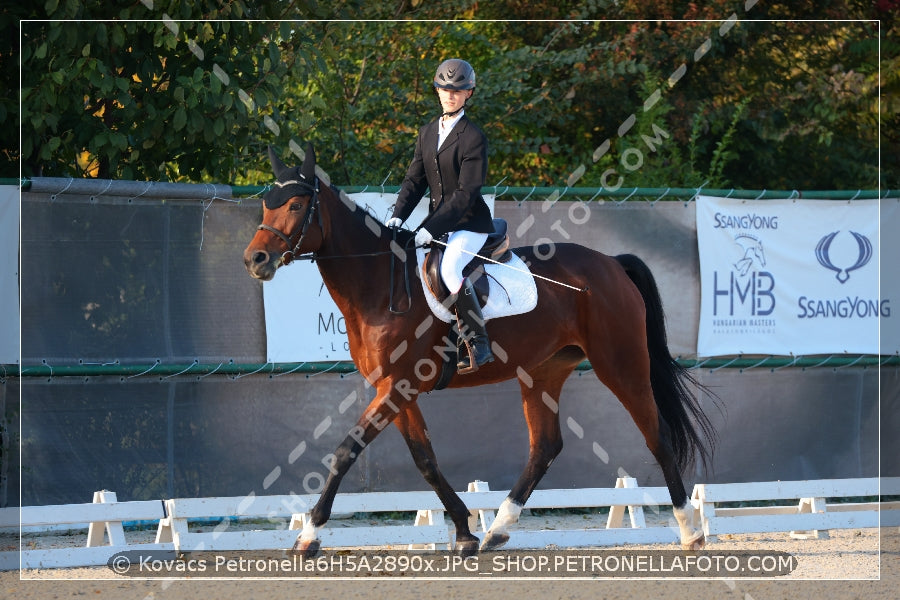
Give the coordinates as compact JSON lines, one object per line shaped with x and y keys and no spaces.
{"x":746,"y":290}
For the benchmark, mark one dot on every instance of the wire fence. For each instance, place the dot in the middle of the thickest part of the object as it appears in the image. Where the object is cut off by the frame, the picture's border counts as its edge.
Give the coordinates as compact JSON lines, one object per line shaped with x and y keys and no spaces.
{"x":163,"y":371}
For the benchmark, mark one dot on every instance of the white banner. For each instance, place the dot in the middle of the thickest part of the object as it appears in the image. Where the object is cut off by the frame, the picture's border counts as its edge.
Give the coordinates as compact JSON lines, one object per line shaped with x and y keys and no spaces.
{"x":9,"y":271}
{"x":889,"y":282}
{"x":787,"y":277}
{"x":302,"y":321}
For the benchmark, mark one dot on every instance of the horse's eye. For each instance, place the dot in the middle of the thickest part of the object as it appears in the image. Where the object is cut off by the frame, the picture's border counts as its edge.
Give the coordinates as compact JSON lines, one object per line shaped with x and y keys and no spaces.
{"x":295,"y":206}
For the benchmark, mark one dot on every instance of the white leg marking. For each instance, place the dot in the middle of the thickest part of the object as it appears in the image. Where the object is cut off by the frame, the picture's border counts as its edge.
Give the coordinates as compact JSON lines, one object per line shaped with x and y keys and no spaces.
{"x":507,"y":514}
{"x":684,"y":516}
{"x":310,"y":532}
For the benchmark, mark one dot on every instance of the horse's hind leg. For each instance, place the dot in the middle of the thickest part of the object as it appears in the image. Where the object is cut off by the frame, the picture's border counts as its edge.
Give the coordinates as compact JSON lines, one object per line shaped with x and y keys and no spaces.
{"x":540,"y":394}
{"x":629,"y":380}
{"x":412,"y":426}
{"x":691,"y":538}
{"x":661,"y":447}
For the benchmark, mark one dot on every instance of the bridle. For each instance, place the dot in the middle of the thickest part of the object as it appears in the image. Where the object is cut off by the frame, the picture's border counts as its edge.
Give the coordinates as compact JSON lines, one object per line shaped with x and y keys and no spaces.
{"x":312,"y":209}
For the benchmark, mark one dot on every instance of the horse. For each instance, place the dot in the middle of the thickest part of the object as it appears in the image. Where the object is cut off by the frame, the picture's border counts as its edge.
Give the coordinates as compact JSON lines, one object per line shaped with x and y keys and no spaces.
{"x":615,"y":320}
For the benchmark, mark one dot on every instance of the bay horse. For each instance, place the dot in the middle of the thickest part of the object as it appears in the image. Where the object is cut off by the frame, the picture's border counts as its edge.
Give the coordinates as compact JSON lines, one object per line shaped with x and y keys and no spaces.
{"x":615,"y":321}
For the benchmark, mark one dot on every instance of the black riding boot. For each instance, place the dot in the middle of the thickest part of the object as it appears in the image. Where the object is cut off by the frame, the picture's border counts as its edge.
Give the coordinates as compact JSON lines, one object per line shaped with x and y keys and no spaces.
{"x":471,"y":325}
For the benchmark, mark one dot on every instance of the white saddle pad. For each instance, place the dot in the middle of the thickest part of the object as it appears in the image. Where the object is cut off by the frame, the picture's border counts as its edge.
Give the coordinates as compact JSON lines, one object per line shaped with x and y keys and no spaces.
{"x":513,"y":291}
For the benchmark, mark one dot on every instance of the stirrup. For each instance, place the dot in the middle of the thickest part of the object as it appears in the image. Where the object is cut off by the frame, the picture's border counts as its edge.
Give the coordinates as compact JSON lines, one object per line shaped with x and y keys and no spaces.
{"x":465,"y":358}
{"x":467,"y":352}
{"x":472,"y":333}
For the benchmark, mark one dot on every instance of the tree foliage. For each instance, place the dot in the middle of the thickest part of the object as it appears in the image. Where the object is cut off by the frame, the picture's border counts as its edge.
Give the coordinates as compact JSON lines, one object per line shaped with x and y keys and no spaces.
{"x":196,"y":92}
{"x":146,"y":99}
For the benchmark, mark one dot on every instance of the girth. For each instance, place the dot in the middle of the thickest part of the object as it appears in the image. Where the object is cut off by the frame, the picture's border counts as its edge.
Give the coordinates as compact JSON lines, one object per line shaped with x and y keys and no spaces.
{"x":496,"y":248}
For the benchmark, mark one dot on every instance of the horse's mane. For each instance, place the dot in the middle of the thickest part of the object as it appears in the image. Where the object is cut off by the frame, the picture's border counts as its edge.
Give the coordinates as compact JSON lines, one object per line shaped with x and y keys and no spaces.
{"x":366,"y":215}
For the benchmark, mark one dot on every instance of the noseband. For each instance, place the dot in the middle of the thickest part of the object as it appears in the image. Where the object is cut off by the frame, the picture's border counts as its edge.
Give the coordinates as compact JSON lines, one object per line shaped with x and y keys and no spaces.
{"x":311,"y":209}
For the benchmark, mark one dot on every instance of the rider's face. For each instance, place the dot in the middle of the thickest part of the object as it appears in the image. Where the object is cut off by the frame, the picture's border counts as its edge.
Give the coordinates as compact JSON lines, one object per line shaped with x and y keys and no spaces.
{"x":453,"y":100}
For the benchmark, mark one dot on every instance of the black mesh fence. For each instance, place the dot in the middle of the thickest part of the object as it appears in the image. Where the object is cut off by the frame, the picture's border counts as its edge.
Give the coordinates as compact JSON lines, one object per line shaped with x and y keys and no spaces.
{"x":125,"y":278}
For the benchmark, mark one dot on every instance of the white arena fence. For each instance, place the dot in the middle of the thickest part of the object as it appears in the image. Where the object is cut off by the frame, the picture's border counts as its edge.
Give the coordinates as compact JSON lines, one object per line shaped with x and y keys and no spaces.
{"x":803,"y":508}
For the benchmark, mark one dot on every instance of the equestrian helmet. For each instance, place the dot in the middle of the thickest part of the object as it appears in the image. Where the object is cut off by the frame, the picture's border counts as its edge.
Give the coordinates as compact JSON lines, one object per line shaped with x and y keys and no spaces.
{"x":455,"y":74}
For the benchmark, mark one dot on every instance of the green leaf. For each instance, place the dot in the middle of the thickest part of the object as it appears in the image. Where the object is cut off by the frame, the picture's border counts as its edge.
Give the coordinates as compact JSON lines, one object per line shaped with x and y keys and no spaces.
{"x":95,"y":78}
{"x":197,"y":121}
{"x":41,"y":52}
{"x":86,"y":50}
{"x":118,"y":36}
{"x":285,"y":30}
{"x":52,"y":120}
{"x":180,"y":119}
{"x":50,"y":97}
{"x":98,"y":142}
{"x":118,"y":140}
{"x":215,"y":84}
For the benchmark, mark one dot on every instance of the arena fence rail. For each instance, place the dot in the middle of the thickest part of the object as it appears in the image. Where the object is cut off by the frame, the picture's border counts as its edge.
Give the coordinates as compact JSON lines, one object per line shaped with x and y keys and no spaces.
{"x":816,"y":508}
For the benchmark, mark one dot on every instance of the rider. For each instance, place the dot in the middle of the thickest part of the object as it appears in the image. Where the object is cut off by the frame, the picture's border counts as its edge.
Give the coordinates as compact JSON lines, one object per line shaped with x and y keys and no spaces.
{"x":451,"y":160}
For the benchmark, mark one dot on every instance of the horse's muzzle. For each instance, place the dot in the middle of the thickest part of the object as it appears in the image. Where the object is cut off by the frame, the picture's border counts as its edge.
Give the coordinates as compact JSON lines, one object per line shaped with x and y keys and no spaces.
{"x":260,"y":264}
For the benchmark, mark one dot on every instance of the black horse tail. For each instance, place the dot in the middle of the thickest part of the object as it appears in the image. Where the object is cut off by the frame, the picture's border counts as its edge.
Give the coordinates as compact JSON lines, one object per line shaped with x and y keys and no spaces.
{"x":691,"y":432}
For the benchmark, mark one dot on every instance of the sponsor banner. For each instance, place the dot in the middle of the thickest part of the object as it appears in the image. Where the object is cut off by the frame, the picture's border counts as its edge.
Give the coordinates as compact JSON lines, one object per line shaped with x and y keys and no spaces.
{"x":302,"y":321}
{"x":889,"y":282}
{"x":790,"y":277}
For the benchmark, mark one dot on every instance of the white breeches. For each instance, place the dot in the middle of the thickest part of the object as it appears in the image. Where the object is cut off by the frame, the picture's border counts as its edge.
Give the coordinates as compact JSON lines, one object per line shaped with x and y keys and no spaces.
{"x":461,"y":246}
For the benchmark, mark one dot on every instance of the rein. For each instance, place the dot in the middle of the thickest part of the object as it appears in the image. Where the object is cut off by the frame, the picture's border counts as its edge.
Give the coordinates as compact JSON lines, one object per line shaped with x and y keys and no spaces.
{"x":292,"y":253}
{"x":312,"y":256}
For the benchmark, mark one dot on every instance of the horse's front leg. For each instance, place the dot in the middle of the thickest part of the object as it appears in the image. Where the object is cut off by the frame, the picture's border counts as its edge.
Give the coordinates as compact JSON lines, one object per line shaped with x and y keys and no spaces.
{"x":378,"y":415}
{"x":412,"y":426}
{"x":539,"y":401}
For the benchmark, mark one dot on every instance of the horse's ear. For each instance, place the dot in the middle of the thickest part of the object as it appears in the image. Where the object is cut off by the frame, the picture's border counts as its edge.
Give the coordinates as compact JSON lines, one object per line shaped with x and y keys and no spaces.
{"x":282,"y":171}
{"x":308,"y":168}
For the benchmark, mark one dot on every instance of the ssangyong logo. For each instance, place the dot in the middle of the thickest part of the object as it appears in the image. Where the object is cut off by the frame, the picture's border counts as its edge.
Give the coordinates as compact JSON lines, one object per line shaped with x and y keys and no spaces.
{"x":843,"y":259}
{"x":842,"y":274}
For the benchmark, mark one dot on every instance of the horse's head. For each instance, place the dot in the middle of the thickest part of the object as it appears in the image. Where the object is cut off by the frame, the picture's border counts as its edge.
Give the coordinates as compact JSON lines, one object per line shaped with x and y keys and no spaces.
{"x":291,"y":223}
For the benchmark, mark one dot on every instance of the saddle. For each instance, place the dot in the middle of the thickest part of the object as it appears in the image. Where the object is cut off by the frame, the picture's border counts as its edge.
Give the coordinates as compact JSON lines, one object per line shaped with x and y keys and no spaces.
{"x":496,"y":248}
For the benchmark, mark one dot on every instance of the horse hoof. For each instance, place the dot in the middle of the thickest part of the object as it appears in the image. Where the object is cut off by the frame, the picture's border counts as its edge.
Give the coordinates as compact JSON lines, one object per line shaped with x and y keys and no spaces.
{"x":467,"y":548}
{"x":492,"y":541}
{"x":695,"y":543}
{"x":306,"y":549}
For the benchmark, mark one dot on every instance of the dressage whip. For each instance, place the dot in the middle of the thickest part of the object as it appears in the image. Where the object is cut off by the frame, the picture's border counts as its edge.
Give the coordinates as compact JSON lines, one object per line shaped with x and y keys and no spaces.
{"x":491,"y":260}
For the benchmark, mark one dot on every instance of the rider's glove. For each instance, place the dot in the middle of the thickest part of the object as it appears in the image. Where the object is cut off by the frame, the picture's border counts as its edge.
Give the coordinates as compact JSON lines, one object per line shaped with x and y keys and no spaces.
{"x":423,"y":238}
